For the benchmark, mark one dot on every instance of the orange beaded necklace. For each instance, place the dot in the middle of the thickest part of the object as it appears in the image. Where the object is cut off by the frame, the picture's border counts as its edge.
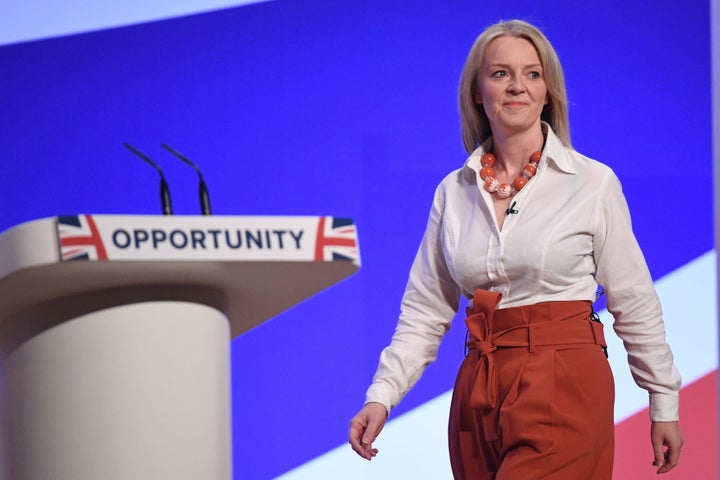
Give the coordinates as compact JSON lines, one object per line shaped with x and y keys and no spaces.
{"x":504,"y":190}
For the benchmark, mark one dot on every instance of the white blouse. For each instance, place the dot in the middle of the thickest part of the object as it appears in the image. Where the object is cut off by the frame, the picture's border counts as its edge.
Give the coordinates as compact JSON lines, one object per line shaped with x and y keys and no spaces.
{"x":571,"y":232}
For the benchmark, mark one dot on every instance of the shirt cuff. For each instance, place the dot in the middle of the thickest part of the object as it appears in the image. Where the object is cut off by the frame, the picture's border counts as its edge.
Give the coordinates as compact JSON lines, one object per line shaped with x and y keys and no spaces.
{"x":380,"y":393}
{"x":664,"y":407}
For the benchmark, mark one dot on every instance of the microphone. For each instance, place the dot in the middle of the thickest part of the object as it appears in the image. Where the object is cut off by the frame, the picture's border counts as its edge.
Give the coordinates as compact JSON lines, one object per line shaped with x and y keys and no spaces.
{"x":511,"y":209}
{"x":204,"y":194}
{"x":164,"y":189}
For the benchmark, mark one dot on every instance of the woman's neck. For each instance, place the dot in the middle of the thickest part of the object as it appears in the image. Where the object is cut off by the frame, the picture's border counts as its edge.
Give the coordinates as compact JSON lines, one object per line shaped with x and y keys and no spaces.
{"x":513,"y":151}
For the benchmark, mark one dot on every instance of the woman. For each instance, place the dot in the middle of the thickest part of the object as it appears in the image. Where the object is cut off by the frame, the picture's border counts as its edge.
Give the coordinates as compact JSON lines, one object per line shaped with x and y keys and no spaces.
{"x":527,"y":229}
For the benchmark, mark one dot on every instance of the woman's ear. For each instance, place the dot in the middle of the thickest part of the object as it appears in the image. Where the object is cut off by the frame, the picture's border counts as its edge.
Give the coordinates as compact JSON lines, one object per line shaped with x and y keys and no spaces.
{"x":478,"y":98}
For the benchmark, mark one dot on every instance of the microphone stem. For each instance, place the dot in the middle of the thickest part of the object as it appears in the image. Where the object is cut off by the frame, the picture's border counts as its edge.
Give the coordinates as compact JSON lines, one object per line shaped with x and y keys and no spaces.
{"x":165,"y":197}
{"x":204,"y":199}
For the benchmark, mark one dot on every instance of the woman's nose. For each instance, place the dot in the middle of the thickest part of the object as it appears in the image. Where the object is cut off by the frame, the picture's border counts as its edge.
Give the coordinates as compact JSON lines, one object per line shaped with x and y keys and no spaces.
{"x":516,"y":84}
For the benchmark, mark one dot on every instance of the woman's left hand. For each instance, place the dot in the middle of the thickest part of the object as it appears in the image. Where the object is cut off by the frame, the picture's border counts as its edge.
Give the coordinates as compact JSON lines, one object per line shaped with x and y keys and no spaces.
{"x":667,"y":442}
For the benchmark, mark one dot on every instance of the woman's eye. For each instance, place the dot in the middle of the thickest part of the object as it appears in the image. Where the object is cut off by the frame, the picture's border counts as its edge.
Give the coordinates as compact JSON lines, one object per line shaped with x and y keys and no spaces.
{"x":500,"y":73}
{"x":535,"y":74}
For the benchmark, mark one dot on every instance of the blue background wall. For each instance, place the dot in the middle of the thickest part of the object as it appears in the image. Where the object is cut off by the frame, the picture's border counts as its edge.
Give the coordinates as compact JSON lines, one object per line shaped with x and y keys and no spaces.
{"x":349,"y":109}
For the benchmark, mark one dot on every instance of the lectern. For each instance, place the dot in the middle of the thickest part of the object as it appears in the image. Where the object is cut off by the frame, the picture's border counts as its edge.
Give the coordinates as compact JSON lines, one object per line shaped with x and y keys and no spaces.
{"x":115,"y":335}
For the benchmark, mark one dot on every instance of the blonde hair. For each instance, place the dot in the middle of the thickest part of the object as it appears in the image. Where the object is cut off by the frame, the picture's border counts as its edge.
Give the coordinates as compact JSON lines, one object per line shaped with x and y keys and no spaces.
{"x":474,"y":122}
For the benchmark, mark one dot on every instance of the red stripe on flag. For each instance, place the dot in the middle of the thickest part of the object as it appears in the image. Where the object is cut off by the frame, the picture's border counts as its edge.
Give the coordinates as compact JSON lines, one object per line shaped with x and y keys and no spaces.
{"x":102,"y":254}
{"x":318,"y":243}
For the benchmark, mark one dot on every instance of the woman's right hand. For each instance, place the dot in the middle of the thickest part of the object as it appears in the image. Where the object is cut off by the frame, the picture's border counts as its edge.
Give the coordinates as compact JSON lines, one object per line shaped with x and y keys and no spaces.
{"x":365,"y":427}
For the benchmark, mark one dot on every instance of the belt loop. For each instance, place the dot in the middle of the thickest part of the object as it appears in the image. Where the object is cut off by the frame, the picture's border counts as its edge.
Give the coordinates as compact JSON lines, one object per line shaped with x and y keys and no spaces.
{"x":594,"y":333}
{"x":598,"y":335}
{"x":531,"y":337}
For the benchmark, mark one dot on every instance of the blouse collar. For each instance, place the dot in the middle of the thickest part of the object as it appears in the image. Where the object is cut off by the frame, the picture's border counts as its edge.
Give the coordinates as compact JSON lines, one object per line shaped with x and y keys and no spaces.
{"x":554,"y":153}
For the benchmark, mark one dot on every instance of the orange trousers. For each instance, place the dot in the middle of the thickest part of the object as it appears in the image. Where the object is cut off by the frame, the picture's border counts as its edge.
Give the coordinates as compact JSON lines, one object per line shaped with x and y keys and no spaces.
{"x":534,"y":396}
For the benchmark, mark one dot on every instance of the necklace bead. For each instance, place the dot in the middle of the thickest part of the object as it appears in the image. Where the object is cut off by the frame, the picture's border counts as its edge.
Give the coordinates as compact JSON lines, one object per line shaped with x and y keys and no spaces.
{"x":519,"y":183}
{"x":505,"y":190}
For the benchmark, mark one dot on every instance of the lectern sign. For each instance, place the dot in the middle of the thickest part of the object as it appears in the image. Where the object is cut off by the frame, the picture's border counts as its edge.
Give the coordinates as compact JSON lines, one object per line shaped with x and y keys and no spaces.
{"x":117,"y":237}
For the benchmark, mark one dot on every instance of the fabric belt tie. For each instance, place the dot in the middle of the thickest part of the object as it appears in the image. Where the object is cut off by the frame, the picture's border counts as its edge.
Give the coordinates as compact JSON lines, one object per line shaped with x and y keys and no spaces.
{"x":483,"y":341}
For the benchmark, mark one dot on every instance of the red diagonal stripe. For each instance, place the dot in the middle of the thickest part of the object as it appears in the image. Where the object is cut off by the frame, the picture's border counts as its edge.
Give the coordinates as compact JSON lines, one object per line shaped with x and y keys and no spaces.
{"x":698,"y":420}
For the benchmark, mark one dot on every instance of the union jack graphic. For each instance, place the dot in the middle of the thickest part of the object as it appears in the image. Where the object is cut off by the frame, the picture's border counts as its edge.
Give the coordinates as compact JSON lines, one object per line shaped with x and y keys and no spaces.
{"x":336,"y":240}
{"x":79,"y":238}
